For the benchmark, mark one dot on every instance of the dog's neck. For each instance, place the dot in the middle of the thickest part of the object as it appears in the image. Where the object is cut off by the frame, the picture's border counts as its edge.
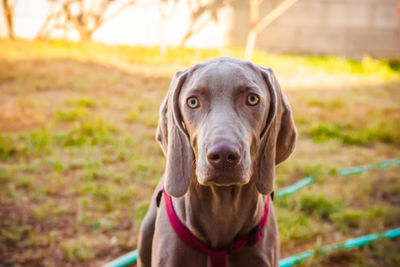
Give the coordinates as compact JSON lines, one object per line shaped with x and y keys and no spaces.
{"x":218,"y":214}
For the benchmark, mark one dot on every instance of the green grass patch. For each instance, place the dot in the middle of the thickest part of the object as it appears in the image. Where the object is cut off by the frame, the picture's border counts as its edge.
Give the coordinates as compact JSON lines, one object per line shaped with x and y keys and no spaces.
{"x":145,"y":113}
{"x":80,"y":248}
{"x":78,"y":180}
{"x":348,"y":219}
{"x":77,"y":113}
{"x":385,"y":132}
{"x":83,"y":102}
{"x":319,"y":206}
{"x":150,"y":56}
{"x":8,"y":147}
{"x":295,"y":226}
{"x":89,"y":133}
{"x":141,"y":212}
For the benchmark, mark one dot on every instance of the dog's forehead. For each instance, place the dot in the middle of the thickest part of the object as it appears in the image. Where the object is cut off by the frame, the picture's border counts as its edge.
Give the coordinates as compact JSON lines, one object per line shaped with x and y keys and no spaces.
{"x":224,"y":75}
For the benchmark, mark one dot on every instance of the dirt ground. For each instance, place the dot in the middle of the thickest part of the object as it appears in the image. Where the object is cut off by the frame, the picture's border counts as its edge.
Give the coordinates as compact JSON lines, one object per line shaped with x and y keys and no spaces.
{"x":78,"y":159}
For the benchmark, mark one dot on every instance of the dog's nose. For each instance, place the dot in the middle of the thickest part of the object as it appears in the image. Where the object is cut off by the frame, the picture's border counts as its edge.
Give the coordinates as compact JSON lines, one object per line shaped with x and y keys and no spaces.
{"x":223,"y":154}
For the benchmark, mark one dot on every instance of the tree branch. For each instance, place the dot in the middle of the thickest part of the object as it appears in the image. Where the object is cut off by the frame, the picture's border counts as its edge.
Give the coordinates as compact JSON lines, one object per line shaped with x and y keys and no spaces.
{"x":8,"y":10}
{"x":119,"y":10}
{"x":274,"y":14}
{"x":257,"y":27}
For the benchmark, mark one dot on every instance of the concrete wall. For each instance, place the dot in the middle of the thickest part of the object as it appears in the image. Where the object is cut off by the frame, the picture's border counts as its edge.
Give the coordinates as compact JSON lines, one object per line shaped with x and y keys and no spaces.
{"x":339,"y":27}
{"x":335,"y":27}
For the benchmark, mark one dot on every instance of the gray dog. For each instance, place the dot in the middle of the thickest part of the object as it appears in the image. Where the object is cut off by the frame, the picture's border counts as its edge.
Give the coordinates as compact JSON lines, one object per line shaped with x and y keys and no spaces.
{"x":224,"y":126}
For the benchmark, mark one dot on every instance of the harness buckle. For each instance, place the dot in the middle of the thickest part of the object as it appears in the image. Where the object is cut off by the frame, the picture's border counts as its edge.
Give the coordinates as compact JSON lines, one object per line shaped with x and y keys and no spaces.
{"x":158,"y":198}
{"x":255,"y":235}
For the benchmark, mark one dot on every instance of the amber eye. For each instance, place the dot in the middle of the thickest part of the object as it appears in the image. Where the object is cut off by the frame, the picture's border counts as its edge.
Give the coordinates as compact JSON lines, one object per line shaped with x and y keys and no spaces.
{"x":252,"y":100}
{"x":193,"y":102}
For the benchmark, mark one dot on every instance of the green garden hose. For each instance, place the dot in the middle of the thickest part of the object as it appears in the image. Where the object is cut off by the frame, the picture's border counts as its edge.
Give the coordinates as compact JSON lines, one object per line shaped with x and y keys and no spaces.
{"x":351,"y":243}
{"x":131,"y":257}
{"x":295,"y":187}
{"x":343,"y":172}
{"x":124,"y":260}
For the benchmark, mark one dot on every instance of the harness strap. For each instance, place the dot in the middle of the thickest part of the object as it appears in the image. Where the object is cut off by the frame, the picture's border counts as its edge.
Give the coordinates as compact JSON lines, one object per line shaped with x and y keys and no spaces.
{"x":217,"y":256}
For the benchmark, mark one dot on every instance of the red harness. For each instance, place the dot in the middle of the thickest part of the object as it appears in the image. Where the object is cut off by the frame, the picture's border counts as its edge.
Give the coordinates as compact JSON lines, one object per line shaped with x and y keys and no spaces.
{"x":218,"y":256}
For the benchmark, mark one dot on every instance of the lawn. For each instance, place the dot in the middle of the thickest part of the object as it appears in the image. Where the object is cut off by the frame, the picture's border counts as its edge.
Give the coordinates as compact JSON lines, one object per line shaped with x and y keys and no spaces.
{"x":78,"y":159}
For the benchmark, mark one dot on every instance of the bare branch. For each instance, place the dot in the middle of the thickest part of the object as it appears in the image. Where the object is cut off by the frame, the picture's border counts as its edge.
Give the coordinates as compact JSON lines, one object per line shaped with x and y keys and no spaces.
{"x":274,"y":14}
{"x":192,"y":30}
{"x":197,"y":10}
{"x":119,"y":10}
{"x":8,"y":10}
{"x":256,"y":25}
{"x":85,"y":19}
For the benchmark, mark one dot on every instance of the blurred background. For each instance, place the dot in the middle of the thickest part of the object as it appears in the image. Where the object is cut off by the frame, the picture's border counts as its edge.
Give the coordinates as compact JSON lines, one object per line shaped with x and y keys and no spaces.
{"x":336,"y":27}
{"x":81,"y":82}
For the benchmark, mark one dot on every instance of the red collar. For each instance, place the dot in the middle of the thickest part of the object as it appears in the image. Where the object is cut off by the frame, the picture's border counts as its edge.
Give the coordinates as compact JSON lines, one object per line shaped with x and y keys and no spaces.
{"x":218,"y":257}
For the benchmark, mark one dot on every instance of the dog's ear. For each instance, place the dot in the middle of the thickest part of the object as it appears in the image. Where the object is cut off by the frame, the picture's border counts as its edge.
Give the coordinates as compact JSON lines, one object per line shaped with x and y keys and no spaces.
{"x":174,"y":141}
{"x":277,"y":139}
{"x":162,"y":127}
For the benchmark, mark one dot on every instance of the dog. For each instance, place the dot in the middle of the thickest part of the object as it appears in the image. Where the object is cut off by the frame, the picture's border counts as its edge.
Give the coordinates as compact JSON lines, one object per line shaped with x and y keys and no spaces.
{"x":224,"y":126}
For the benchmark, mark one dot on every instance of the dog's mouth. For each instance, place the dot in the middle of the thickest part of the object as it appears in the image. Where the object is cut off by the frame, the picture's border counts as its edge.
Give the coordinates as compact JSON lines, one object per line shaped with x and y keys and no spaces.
{"x":226,"y":177}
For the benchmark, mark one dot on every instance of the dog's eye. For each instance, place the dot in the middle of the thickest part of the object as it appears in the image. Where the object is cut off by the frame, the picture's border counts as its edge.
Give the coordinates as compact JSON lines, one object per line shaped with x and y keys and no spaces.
{"x":252,"y":100}
{"x":193,"y":102}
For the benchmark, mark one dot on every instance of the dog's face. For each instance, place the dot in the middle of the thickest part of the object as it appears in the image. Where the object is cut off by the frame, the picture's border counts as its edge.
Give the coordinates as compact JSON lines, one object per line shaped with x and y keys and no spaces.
{"x":224,"y":122}
{"x":224,"y":107}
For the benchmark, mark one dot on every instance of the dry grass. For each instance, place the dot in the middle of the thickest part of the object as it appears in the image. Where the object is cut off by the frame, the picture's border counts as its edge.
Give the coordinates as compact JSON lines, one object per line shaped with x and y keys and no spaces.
{"x":78,"y":161}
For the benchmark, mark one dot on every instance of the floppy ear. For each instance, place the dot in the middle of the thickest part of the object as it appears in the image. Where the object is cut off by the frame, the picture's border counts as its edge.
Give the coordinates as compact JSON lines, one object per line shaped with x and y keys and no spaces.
{"x":278,"y":137}
{"x":162,"y":127}
{"x":174,"y":141}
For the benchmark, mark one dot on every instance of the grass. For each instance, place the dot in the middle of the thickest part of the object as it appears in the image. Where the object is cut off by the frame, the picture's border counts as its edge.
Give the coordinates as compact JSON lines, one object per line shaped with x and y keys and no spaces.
{"x":78,"y":159}
{"x":348,"y":134}
{"x":150,"y":56}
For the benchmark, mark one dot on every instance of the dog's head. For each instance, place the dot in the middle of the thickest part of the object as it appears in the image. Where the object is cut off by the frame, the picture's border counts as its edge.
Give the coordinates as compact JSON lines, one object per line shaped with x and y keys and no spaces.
{"x":224,"y":122}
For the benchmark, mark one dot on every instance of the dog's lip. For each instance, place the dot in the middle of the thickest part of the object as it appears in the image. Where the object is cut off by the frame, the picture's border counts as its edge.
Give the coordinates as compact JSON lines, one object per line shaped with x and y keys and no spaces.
{"x":222,"y":184}
{"x":223,"y":180}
